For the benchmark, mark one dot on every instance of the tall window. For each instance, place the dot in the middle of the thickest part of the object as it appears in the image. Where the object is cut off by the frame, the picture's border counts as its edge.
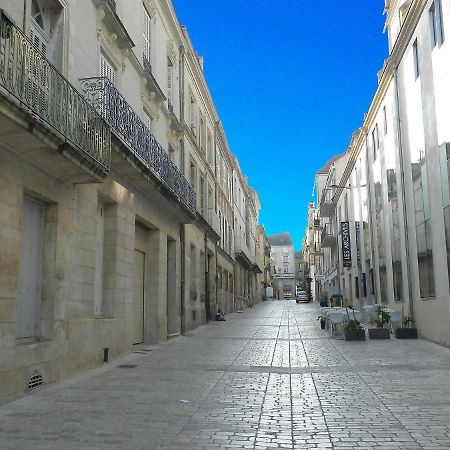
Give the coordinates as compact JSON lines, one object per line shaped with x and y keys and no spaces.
{"x":147,"y":38}
{"x":202,"y":132}
{"x":423,"y":227}
{"x":148,"y":120}
{"x":385,"y":121}
{"x":193,"y":178}
{"x":107,"y":69}
{"x":39,"y":30}
{"x":202,"y":195}
{"x":192,"y":115}
{"x":415,"y":51}
{"x":169,"y":82}
{"x":209,"y":148}
{"x":436,"y":24}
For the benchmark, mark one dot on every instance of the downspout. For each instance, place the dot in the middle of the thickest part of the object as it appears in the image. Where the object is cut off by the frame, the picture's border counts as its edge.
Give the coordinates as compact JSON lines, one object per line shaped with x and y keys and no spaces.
{"x":182,"y":226}
{"x":402,"y":175}
{"x":24,"y":15}
{"x":182,"y":267}
{"x":207,"y":304}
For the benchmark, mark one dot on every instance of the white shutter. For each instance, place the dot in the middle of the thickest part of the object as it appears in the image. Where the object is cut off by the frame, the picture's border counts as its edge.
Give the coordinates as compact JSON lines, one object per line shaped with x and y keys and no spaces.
{"x":147,"y":37}
{"x":39,"y":39}
{"x":107,"y":70}
{"x":169,"y":82}
{"x":148,"y":121}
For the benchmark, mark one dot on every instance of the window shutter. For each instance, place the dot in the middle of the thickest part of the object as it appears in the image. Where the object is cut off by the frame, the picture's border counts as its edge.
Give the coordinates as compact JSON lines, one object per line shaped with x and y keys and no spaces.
{"x":147,"y":35}
{"x":107,"y":70}
{"x":169,"y":81}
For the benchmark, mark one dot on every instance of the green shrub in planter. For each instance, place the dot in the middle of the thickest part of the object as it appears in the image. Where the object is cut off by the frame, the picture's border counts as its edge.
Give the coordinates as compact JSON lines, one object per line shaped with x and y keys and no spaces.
{"x":407,"y":331}
{"x":383,"y":318}
{"x":353,"y":331}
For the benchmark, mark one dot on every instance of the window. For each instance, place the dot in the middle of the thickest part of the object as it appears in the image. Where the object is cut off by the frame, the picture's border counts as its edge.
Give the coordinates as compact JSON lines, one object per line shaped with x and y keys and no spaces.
{"x":147,"y":39}
{"x":436,"y":24}
{"x":209,"y":148}
{"x":202,"y":132}
{"x":193,"y":178}
{"x":385,"y":120}
{"x":148,"y":121}
{"x":286,"y":268}
{"x":285,"y":258}
{"x":415,"y":51}
{"x":202,"y":195}
{"x":169,"y":83}
{"x":39,"y":30}
{"x":192,"y":116}
{"x":374,"y":145}
{"x":106,"y":69}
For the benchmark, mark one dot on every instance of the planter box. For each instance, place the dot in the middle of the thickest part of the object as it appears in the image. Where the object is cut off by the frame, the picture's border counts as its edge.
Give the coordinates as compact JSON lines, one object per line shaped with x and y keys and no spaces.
{"x":355,"y":335}
{"x":406,"y":333}
{"x":379,"y":333}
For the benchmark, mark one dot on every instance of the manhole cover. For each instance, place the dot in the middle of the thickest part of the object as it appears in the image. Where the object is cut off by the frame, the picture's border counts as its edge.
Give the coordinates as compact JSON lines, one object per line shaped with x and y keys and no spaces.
{"x":127,"y":366}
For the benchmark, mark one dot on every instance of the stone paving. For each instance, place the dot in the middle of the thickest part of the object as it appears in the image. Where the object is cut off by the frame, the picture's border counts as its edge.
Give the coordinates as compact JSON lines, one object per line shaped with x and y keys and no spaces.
{"x":266,"y":378}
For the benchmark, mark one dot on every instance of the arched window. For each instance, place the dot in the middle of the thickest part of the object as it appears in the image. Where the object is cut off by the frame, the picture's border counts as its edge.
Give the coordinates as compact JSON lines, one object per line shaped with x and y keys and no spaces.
{"x":40,"y":27}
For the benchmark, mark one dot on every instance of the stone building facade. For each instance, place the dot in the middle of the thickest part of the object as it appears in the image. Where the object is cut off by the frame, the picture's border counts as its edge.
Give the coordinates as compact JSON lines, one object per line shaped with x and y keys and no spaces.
{"x":282,"y":260}
{"x":391,"y":199}
{"x":117,"y":200}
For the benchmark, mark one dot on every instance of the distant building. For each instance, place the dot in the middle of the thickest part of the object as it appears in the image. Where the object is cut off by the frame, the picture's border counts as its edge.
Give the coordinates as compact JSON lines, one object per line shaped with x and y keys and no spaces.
{"x":282,"y":260}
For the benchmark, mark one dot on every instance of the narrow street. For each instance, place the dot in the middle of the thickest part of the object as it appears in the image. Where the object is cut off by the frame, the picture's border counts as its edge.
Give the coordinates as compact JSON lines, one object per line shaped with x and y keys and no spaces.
{"x":266,"y":378}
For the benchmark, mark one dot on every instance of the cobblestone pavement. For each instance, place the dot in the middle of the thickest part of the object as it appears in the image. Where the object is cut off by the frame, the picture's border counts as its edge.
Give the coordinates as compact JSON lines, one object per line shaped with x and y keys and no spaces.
{"x":266,"y":378}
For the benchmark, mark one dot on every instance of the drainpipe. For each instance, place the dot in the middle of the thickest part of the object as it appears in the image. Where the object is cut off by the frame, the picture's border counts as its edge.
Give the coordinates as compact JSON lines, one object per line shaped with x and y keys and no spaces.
{"x":25,"y":12}
{"x":182,"y":226}
{"x":182,"y":267}
{"x":402,"y":175}
{"x":207,"y":304}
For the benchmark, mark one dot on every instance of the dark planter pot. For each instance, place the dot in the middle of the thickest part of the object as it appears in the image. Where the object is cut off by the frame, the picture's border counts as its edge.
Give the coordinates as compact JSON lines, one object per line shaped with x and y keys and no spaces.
{"x":379,"y":333}
{"x":355,"y":335}
{"x":322,"y":324}
{"x":406,"y":333}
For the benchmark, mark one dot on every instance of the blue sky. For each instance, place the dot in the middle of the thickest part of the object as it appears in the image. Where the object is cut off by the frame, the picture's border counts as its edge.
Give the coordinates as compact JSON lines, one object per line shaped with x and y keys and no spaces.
{"x":291,"y":81}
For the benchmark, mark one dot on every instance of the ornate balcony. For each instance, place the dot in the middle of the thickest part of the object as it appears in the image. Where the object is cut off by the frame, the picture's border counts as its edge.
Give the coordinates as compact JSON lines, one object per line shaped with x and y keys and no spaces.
{"x":43,"y":116}
{"x":141,"y":144}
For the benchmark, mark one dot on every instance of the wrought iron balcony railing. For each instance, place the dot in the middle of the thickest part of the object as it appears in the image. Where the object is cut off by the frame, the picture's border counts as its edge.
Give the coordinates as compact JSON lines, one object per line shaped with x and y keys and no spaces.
{"x":128,"y":126}
{"x":34,"y":84}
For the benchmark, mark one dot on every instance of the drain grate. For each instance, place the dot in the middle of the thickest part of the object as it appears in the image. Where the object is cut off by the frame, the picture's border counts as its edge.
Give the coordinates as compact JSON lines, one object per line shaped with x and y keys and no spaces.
{"x":36,"y":380}
{"x":127,"y":366}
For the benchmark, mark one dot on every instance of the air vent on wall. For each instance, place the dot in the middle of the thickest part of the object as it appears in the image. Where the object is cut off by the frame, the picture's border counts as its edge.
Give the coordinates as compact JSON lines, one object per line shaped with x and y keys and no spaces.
{"x":35,"y":381}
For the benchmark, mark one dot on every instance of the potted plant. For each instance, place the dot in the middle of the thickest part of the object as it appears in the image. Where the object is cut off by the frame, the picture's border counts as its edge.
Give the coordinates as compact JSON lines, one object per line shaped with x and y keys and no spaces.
{"x":407,"y":330}
{"x":323,"y":322}
{"x":383,"y":318}
{"x":353,"y":331}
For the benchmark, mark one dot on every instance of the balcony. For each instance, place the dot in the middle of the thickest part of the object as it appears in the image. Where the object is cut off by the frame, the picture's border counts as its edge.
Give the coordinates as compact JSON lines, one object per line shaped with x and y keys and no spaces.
{"x":328,"y":237}
{"x":327,"y":207}
{"x":213,"y":220}
{"x":44,"y":118}
{"x":141,"y":147}
{"x":242,"y":254}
